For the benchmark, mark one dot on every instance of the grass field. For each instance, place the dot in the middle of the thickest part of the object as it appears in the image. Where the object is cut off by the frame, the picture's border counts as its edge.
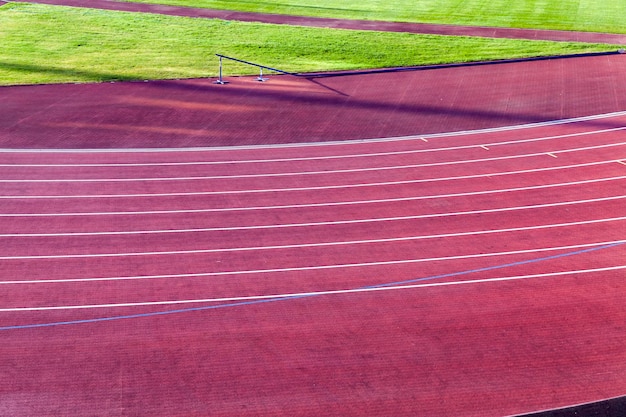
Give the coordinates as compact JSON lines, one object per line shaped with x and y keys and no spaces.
{"x":50,"y":44}
{"x":582,"y":15}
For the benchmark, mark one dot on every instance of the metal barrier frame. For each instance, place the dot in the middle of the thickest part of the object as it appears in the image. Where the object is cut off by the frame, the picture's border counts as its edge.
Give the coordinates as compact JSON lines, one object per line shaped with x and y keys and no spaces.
{"x":221,"y":81}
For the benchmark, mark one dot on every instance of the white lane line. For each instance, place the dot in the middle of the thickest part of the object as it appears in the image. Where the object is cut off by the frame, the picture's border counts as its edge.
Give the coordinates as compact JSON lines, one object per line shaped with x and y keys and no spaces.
{"x":346,"y":203}
{"x":357,"y":142}
{"x":313,"y":224}
{"x":313,"y":245}
{"x":312,"y":158}
{"x":316,"y":267}
{"x":303,"y":173}
{"x":314,"y":188}
{"x":315,"y":293}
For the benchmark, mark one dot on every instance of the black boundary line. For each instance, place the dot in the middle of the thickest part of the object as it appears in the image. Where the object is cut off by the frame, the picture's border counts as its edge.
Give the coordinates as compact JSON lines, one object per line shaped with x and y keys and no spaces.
{"x":612,"y":407}
{"x":457,"y":65}
{"x":425,"y":67}
{"x":345,"y":73}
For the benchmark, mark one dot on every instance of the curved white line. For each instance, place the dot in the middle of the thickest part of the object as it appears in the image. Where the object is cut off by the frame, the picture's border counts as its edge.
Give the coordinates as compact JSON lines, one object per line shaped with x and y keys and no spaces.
{"x":301,"y":173}
{"x":314,"y":293}
{"x":333,"y":204}
{"x":312,"y":245}
{"x":314,"y":188}
{"x":485,"y":146}
{"x":357,"y":142}
{"x":312,"y":224}
{"x":313,"y":268}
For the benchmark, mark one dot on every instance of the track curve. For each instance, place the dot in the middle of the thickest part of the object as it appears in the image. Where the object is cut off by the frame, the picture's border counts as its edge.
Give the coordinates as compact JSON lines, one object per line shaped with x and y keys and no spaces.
{"x":450,"y":274}
{"x":154,"y":268}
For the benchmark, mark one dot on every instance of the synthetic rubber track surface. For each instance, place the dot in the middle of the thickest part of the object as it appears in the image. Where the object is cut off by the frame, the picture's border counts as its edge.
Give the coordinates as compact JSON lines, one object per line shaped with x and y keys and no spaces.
{"x":465,"y":274}
{"x":470,"y":274}
{"x":286,"y":109}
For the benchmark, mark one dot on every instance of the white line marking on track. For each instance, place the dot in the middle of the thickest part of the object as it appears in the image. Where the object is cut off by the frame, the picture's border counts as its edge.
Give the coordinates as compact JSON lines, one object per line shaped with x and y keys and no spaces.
{"x":314,"y":158}
{"x":327,"y":204}
{"x":314,"y":268}
{"x":312,"y":224}
{"x":320,"y":244}
{"x":360,"y":142}
{"x":315,"y":293}
{"x":301,"y":173}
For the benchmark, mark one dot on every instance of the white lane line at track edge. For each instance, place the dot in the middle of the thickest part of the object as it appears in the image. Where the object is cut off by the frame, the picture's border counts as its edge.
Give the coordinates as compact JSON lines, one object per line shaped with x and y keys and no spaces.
{"x":312,"y":173}
{"x":329,"y":143}
{"x":485,"y":146}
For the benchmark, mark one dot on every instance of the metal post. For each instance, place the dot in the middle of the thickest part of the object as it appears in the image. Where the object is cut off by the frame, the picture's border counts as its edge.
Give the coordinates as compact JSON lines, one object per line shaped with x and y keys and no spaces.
{"x":261,"y":79}
{"x":220,"y":80}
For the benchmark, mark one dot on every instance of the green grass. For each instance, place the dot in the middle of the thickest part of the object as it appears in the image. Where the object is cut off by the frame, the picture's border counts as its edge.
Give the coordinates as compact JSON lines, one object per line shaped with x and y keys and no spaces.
{"x":583,"y":15}
{"x":51,"y":44}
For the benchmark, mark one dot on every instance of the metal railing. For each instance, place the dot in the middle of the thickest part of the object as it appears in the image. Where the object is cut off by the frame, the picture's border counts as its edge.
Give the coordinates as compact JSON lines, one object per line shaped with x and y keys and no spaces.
{"x":220,"y":80}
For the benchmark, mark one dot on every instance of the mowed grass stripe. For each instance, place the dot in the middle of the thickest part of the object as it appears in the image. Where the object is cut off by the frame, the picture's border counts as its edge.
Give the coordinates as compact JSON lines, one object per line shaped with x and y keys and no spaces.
{"x":583,"y":15}
{"x":52,"y":44}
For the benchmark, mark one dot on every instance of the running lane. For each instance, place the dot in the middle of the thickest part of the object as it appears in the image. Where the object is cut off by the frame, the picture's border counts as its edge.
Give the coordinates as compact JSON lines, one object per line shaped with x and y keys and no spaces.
{"x":462,"y":274}
{"x":197,"y":113}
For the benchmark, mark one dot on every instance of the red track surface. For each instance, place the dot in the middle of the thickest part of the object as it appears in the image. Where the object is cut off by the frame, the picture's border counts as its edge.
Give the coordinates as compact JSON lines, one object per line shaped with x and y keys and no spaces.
{"x":292,"y":109}
{"x":243,"y":222}
{"x":540,"y":206}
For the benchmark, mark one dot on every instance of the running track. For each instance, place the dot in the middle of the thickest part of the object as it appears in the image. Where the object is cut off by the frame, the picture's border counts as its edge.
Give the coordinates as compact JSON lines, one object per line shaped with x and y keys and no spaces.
{"x":477,"y":273}
{"x":467,"y":274}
